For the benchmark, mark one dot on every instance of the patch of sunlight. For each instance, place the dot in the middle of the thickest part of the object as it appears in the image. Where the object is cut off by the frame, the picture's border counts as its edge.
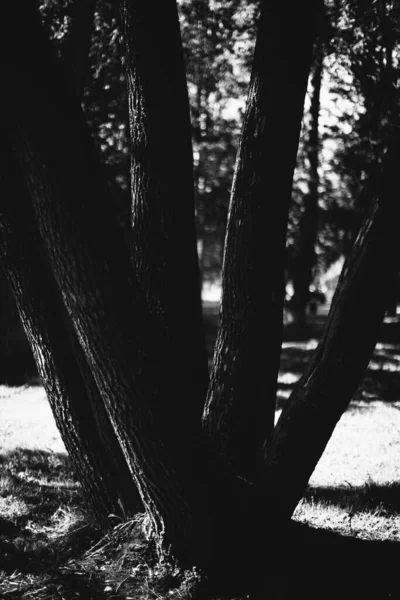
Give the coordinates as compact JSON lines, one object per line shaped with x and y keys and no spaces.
{"x":364,"y":446}
{"x":63,"y":521}
{"x":12,"y":507}
{"x":37,"y":429}
{"x":388,"y":354}
{"x":211,"y":292}
{"x":278,"y":412}
{"x":363,"y":524}
{"x":288,"y":378}
{"x":52,"y":483}
{"x":380,"y":346}
{"x":391,"y":367}
{"x":311,"y":344}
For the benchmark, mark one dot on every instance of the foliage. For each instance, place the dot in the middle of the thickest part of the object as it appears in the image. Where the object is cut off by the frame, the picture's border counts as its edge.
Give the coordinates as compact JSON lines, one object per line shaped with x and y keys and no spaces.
{"x":218,"y":39}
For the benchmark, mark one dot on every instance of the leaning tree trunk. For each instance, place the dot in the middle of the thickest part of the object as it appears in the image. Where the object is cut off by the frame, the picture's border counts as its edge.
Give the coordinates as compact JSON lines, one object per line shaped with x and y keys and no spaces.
{"x":323,"y":393}
{"x":241,"y":402}
{"x":74,"y":399}
{"x":369,"y":273}
{"x":164,"y":246}
{"x":133,"y":367}
{"x":305,"y":257}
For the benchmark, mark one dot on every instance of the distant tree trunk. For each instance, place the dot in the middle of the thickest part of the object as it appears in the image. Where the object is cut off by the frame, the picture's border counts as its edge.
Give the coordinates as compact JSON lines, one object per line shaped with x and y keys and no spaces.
{"x":241,"y":403}
{"x":323,"y":393}
{"x":304,"y":255}
{"x":76,"y":404}
{"x":163,"y":215}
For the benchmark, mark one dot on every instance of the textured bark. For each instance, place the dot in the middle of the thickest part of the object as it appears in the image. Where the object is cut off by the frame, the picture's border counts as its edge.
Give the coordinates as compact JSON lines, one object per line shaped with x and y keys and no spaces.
{"x":317,"y":403}
{"x":305,"y":257}
{"x":241,"y":403}
{"x":93,"y":272}
{"x":164,"y":247}
{"x":75,"y":402}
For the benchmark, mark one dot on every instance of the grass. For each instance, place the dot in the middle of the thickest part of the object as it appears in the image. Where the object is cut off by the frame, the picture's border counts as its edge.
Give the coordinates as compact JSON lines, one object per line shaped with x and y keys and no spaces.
{"x":345,"y":538}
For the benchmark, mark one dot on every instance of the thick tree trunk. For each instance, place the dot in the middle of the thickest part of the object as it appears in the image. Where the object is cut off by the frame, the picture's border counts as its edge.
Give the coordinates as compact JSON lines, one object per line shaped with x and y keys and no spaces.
{"x":131,"y":363}
{"x":164,"y":247}
{"x":241,"y":403}
{"x":74,"y":399}
{"x":305,"y":257}
{"x":315,"y":406}
{"x":135,"y":376}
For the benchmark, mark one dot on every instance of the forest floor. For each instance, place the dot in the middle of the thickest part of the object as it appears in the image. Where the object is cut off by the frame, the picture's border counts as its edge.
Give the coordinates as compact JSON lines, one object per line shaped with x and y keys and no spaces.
{"x":348,"y":521}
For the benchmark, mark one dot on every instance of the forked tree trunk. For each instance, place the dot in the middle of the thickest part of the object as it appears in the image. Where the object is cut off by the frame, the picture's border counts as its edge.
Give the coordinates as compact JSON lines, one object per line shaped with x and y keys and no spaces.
{"x":241,"y":402}
{"x":118,"y":333}
{"x":305,"y":256}
{"x":72,"y":393}
{"x":131,"y":363}
{"x":164,"y":246}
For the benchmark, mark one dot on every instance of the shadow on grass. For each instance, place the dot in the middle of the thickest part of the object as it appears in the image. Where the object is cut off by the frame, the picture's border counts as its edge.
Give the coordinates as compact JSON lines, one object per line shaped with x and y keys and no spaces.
{"x":381,"y":380}
{"x":44,"y":534}
{"x":325,"y":564}
{"x":41,"y":507}
{"x":383,"y":500}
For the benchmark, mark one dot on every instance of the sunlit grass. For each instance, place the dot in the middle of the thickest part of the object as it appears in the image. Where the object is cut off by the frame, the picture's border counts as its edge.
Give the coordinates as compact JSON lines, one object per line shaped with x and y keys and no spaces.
{"x":50,"y":549}
{"x":26,"y":420}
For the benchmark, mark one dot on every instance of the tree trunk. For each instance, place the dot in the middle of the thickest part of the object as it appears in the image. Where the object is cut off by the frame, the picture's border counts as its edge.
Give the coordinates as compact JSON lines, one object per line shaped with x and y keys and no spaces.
{"x":240,"y":407}
{"x":196,"y":506}
{"x":320,"y":398}
{"x":76,"y":404}
{"x":305,"y":257}
{"x":164,"y":246}
{"x":135,"y":376}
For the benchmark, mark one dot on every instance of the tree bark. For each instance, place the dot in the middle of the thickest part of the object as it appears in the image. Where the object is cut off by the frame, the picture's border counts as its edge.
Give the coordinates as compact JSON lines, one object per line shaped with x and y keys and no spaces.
{"x":305,"y":257}
{"x":75,"y":402}
{"x":319,"y":400}
{"x":93,"y":272}
{"x":164,"y":246}
{"x":240,"y":407}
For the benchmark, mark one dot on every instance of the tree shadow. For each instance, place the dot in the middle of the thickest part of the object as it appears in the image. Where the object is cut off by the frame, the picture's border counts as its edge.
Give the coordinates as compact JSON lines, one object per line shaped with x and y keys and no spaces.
{"x":382,"y":377}
{"x":371,"y":497}
{"x":326,"y":564}
{"x":42,"y":511}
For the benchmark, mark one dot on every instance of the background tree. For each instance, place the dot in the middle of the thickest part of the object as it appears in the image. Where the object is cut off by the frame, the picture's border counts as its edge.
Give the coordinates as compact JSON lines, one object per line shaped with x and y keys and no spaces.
{"x":303,"y":260}
{"x":218,"y":40}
